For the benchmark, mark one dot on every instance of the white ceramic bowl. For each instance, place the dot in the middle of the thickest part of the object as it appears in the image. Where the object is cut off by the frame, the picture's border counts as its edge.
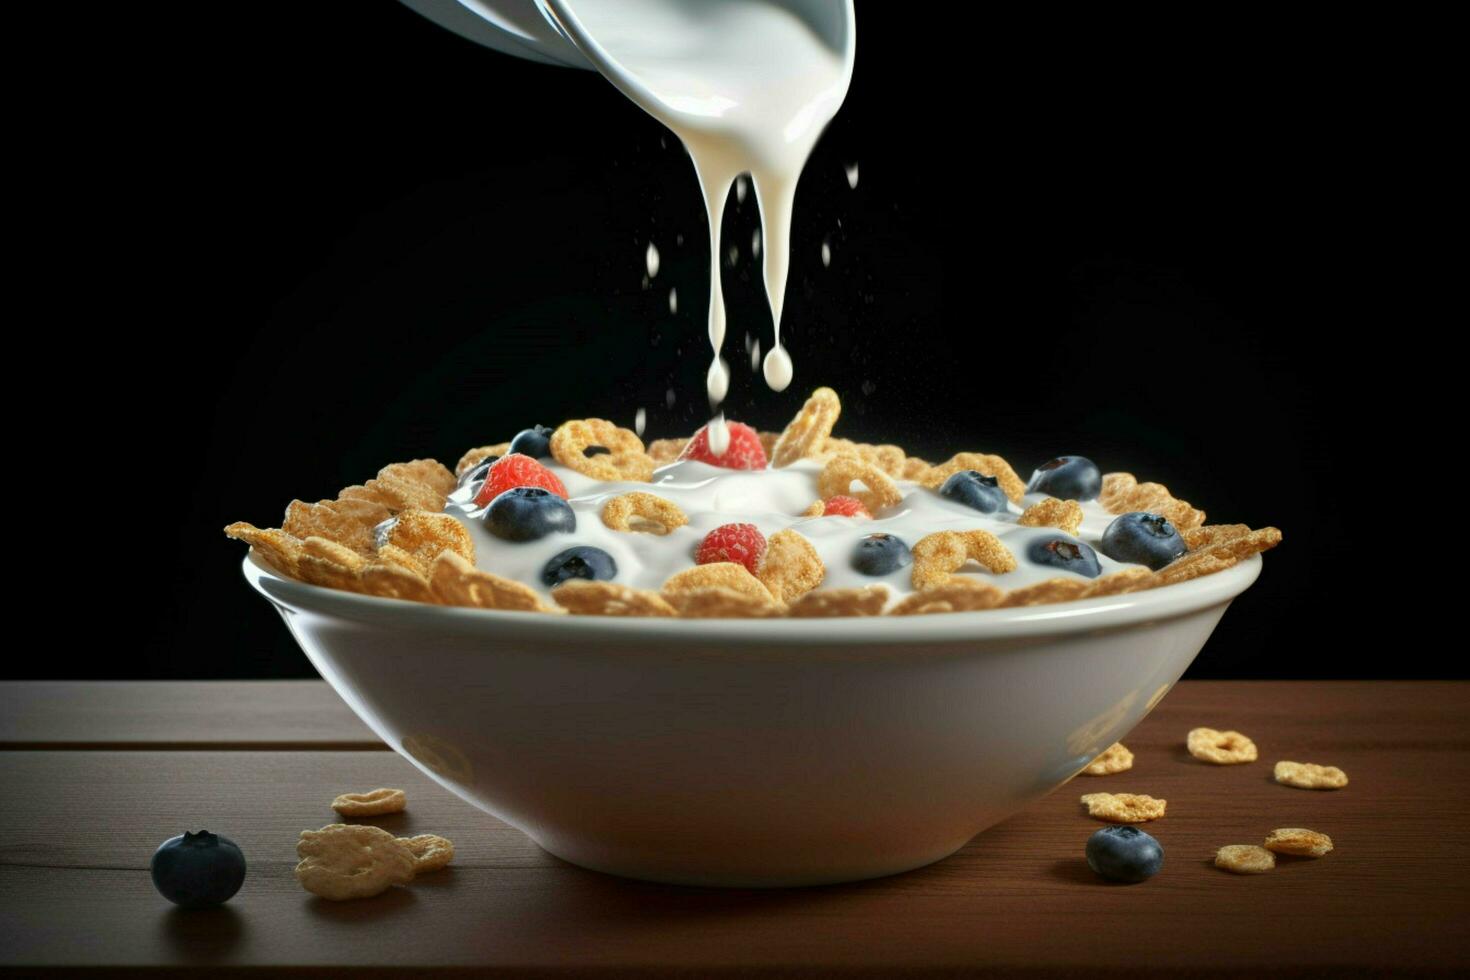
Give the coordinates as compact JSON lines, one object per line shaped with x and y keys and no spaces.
{"x":753,"y":753}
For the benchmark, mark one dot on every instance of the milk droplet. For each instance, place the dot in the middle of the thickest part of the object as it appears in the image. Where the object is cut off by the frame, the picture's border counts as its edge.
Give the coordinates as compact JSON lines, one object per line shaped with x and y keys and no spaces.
{"x":718,"y":434}
{"x":826,"y":254}
{"x":734,"y":254}
{"x":852,"y":175}
{"x":679,"y":239}
{"x":740,"y":187}
{"x":747,"y":342}
{"x":778,"y":368}
{"x":755,"y":243}
{"x":652,"y":259}
{"x":755,"y":357}
{"x":639,"y":421}
{"x":669,"y":398}
{"x":717,"y":381}
{"x":673,"y":301}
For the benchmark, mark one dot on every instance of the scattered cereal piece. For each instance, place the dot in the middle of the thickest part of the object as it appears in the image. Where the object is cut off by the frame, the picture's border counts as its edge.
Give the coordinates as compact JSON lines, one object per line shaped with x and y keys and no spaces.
{"x":343,"y":861}
{"x":1309,"y":775}
{"x":584,"y":597}
{"x":840,"y":472}
{"x":806,"y":434}
{"x":939,"y":555}
{"x":371,"y":804}
{"x":791,"y":567}
{"x":1051,"y":512}
{"x":1245,"y":859}
{"x":986,"y":465}
{"x":430,"y":852}
{"x":624,"y":459}
{"x":957,"y":595}
{"x":1298,"y":841}
{"x":455,"y":582}
{"x":665,"y":451}
{"x":477,"y":456}
{"x":645,"y":513}
{"x":1044,"y":592}
{"x":426,"y":536}
{"x":1221,"y":748}
{"x":717,"y":575}
{"x":866,"y":601}
{"x":1115,"y":758}
{"x":1123,"y":807}
{"x":1122,"y":493}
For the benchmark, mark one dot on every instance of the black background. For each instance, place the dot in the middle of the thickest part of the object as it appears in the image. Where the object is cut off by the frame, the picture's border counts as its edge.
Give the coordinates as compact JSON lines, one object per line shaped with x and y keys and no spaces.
{"x":329,"y":236}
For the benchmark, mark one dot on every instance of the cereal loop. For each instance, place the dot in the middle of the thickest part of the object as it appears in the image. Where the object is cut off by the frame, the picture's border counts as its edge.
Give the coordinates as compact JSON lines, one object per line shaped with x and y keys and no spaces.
{"x":986,"y":465}
{"x":1065,"y":515}
{"x":806,"y":434}
{"x":642,"y":512}
{"x":1244,"y":859}
{"x":371,"y":804}
{"x":1115,"y":758}
{"x":624,"y":459}
{"x":1123,"y":807}
{"x":841,"y":472}
{"x":791,"y":567}
{"x":430,"y":852}
{"x":344,"y":861}
{"x":937,"y":556}
{"x":1309,"y":775}
{"x":1221,"y":748}
{"x":1298,"y":841}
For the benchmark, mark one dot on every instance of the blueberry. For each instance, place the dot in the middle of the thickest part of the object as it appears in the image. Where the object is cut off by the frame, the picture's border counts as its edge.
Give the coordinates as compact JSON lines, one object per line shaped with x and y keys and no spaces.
{"x":1142,"y":539}
{"x":1124,"y":854}
{"x":974,"y":489}
{"x":1067,"y":478}
{"x":476,"y":473}
{"x":1059,"y":551}
{"x":579,"y":562}
{"x":880,"y":554}
{"x":199,"y":870}
{"x":534,"y":442}
{"x":528,"y":513}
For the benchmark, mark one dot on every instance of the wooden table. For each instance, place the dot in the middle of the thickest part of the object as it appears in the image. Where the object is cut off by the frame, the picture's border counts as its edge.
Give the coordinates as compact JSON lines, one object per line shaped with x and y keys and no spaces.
{"x":94,"y":775}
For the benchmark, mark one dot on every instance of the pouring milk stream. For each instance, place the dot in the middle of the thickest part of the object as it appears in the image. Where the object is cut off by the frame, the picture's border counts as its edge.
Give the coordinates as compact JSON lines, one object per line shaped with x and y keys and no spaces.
{"x":747,"y":86}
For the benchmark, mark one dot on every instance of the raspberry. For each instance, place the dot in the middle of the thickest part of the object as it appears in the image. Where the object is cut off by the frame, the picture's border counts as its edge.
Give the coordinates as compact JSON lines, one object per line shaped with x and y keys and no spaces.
{"x":741,"y":543}
{"x":516,"y":470}
{"x":743,"y":453}
{"x":840,"y":506}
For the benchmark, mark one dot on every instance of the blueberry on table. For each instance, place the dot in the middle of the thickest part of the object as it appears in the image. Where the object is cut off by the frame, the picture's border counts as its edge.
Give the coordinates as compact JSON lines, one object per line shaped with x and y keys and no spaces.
{"x":198,"y":870}
{"x":974,"y":489}
{"x":881,"y":554}
{"x":1142,"y":539}
{"x":1124,"y":854}
{"x":1067,"y":478}
{"x":582,"y":561}
{"x":528,"y":513}
{"x":1059,"y":551}
{"x":534,"y":442}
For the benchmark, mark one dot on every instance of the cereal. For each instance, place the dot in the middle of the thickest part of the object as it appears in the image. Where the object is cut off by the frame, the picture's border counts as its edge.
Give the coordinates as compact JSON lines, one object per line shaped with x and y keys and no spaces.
{"x":1013,"y":485}
{"x":840,"y":472}
{"x":817,"y":509}
{"x":583,"y":597}
{"x":1123,"y":807}
{"x":1115,"y":758}
{"x":330,"y":564}
{"x":1122,"y":494}
{"x":430,"y":852}
{"x":477,"y":456}
{"x":865,"y":601}
{"x":806,"y":434}
{"x":937,"y":556}
{"x":624,"y":460}
{"x":391,"y":555}
{"x":1309,"y":775}
{"x":1044,"y":592}
{"x":957,"y":595}
{"x":718,"y":602}
{"x":343,"y":861}
{"x":275,"y":547}
{"x":642,"y":512}
{"x":665,"y":451}
{"x":421,"y":484}
{"x":915,"y":469}
{"x":1221,"y":748}
{"x":1245,"y":859}
{"x":1128,"y":580}
{"x":791,"y":567}
{"x":890,"y":459}
{"x":455,"y":582}
{"x":395,"y":582}
{"x":426,"y":536}
{"x":1298,"y":841}
{"x":347,"y":522}
{"x":1051,"y":512}
{"x":371,"y":804}
{"x":1215,"y":548}
{"x":717,"y":575}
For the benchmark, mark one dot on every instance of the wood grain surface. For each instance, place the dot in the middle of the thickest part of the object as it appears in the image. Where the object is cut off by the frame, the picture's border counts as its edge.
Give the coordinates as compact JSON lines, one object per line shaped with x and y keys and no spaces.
{"x":77,"y":829}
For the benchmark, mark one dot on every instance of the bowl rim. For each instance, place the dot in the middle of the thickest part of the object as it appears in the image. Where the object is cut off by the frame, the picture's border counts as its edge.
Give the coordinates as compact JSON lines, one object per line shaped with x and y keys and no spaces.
{"x":1075,"y":616}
